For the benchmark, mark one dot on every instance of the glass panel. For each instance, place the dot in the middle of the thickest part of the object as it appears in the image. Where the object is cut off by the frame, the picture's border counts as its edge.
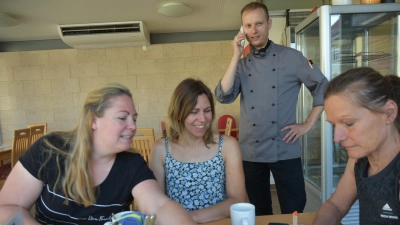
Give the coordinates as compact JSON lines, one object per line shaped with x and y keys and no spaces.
{"x":308,"y":43}
{"x":368,"y":39}
{"x":363,"y":39}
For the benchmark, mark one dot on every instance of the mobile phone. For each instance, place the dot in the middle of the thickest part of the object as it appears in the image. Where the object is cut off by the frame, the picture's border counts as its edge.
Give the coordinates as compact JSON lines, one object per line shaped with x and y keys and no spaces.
{"x":242,"y":41}
{"x":273,"y":223}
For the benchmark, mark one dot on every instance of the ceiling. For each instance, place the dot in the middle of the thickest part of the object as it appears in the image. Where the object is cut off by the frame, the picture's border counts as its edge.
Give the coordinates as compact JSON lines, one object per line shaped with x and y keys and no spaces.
{"x":39,"y":18}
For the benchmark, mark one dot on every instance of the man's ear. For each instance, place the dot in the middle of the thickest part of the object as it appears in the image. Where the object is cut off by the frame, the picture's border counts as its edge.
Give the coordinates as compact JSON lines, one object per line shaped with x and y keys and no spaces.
{"x":269,"y":24}
{"x":390,"y":111}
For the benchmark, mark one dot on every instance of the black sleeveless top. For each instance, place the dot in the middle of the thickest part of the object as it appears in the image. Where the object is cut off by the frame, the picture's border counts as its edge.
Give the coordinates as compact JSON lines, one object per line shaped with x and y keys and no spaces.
{"x":379,"y":195}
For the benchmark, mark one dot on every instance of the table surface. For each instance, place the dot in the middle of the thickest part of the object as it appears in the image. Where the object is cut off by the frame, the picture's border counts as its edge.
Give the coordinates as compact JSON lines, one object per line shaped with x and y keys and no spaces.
{"x":5,"y":149}
{"x":5,"y":146}
{"x":303,"y":218}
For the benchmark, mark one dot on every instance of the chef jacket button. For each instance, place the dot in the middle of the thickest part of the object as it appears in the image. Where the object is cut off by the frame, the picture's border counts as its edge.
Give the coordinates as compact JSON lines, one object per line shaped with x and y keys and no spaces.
{"x":252,"y":107}
{"x":273,"y":122}
{"x":274,"y":54}
{"x":254,"y":124}
{"x":251,"y":91}
{"x":273,"y":104}
{"x":256,"y":141}
{"x":249,"y":74}
{"x":273,"y":86}
{"x":273,"y":69}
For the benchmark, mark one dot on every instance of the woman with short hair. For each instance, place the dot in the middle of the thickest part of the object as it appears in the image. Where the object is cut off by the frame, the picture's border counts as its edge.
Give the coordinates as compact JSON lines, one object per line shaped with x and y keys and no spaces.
{"x":363,"y":107}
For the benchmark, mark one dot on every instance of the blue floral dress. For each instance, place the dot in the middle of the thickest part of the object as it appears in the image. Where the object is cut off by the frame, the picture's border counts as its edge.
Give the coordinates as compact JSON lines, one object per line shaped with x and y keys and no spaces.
{"x":196,"y":185}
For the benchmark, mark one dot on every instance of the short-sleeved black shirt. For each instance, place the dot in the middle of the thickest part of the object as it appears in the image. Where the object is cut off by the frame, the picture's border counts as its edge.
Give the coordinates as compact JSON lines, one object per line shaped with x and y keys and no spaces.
{"x":114,"y":194}
{"x":379,"y":195}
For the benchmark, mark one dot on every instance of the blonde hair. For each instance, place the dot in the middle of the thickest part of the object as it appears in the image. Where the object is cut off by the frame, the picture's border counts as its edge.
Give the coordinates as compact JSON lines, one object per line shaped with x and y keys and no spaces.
{"x":77,"y":182}
{"x":183,"y":100}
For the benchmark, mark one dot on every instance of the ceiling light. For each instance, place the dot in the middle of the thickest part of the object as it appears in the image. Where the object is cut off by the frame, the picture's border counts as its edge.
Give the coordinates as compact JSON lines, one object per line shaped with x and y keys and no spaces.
{"x":7,"y":20}
{"x":174,"y":9}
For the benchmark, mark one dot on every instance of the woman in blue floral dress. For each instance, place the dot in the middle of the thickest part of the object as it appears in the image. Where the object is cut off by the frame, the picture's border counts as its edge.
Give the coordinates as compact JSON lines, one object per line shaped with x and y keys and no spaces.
{"x":195,"y":167}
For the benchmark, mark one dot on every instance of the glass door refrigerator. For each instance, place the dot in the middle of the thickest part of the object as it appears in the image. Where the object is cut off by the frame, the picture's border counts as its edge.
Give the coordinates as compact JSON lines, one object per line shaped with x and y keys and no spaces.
{"x":338,"y":38}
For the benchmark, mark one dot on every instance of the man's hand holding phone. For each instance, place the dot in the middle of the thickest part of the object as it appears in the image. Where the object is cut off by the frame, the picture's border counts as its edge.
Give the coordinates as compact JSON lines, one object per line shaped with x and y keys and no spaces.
{"x":242,"y":41}
{"x":238,"y":43}
{"x":240,"y":37}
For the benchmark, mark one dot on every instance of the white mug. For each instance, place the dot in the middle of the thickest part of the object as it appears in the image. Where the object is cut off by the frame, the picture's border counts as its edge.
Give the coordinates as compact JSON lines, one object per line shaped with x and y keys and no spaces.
{"x":342,"y":2}
{"x":243,"y":214}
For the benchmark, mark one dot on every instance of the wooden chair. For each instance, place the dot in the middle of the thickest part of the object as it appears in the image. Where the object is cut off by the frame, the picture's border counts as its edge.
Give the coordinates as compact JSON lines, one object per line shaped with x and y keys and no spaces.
{"x":20,"y":144}
{"x":36,"y":133}
{"x":39,"y":124}
{"x":144,"y":132}
{"x":222,"y":125}
{"x":143,"y":145}
{"x":164,"y":129}
{"x":165,"y":126}
{"x":228,"y":127}
{"x":142,"y":142}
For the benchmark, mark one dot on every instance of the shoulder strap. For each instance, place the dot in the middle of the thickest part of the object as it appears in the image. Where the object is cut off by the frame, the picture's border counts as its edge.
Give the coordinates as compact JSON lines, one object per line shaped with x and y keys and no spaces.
{"x":221,"y":140}
{"x":166,"y":145}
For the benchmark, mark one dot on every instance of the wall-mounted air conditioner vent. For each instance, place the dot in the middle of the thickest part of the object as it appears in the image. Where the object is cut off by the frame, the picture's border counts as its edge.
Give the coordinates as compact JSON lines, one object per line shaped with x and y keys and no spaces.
{"x":104,"y":35}
{"x":123,"y":28}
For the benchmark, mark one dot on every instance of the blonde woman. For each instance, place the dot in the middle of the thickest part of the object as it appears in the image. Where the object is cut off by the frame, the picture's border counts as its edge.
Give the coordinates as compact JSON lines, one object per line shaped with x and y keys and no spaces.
{"x":195,"y":167}
{"x":85,"y":175}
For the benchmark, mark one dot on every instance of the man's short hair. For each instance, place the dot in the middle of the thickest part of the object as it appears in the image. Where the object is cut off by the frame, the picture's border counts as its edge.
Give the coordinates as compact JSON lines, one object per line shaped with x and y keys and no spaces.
{"x":255,"y":5}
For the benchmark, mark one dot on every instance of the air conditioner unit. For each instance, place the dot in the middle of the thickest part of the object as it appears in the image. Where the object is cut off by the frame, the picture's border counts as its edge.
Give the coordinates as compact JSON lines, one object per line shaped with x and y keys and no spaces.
{"x":105,"y":35}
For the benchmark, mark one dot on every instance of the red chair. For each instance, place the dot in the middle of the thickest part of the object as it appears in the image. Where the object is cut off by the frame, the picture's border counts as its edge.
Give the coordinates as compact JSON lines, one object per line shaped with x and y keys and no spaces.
{"x":222,"y":125}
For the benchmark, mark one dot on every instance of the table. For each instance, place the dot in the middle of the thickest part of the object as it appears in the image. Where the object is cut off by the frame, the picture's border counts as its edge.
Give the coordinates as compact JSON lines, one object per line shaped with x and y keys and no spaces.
{"x":5,"y":153}
{"x":304,"y":218}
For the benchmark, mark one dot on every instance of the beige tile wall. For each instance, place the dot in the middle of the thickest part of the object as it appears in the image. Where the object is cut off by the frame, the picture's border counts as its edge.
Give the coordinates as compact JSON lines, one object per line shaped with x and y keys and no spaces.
{"x":50,"y":86}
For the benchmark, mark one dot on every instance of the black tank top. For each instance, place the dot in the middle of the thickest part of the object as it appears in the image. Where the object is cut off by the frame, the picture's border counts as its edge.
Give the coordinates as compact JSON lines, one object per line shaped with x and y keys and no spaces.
{"x":378,"y":195}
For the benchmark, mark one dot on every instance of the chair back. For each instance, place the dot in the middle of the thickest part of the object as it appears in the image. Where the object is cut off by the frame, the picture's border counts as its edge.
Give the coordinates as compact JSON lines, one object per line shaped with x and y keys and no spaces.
{"x":39,"y":124}
{"x":144,"y":132}
{"x":20,"y":144}
{"x":228,"y":127}
{"x":36,"y":133}
{"x":143,"y":145}
{"x":222,"y":124}
{"x":165,"y":127}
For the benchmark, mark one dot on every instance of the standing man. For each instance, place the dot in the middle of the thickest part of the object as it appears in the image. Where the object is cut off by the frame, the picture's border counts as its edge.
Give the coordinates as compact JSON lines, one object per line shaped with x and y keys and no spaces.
{"x":269,"y":80}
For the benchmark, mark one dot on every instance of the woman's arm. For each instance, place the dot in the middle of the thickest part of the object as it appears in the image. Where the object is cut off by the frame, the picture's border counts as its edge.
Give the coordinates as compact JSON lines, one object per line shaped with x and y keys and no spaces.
{"x":235,"y":187}
{"x":157,"y":160}
{"x":151,"y":200}
{"x":21,"y":189}
{"x":339,"y":204}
